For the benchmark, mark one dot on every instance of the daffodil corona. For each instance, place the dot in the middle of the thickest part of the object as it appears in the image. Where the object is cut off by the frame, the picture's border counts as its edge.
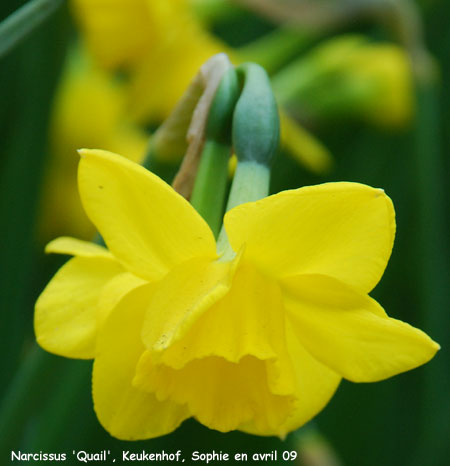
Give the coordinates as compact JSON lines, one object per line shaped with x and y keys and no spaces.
{"x":256,"y":339}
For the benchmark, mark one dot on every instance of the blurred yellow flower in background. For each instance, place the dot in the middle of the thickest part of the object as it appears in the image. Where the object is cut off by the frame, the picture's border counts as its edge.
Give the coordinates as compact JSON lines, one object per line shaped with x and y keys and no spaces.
{"x":388,"y":67}
{"x":256,"y":339}
{"x":89,"y":110}
{"x":349,"y":75}
{"x":160,"y":43}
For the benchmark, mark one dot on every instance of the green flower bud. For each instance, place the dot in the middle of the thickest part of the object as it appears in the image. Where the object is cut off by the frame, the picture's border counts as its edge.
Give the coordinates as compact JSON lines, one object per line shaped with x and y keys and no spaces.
{"x":256,"y":125}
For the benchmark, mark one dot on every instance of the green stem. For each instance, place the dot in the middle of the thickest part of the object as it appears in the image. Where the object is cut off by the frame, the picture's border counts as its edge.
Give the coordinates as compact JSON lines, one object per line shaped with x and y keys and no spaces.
{"x":251,"y":183}
{"x":23,"y":21}
{"x":211,"y":180}
{"x":211,"y":183}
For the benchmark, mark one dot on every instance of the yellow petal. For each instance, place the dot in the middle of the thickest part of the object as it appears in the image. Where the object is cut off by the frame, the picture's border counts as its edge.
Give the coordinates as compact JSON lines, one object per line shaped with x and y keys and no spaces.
{"x":182,"y":297}
{"x":347,"y":331}
{"x":315,"y":383}
{"x":114,"y":291}
{"x":147,"y":226}
{"x":124,"y":411}
{"x":344,"y":230}
{"x":65,"y":318}
{"x":76,"y":247}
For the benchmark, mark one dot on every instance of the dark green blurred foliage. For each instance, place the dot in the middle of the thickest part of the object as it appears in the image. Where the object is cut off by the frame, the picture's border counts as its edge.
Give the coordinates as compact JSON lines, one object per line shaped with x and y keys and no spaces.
{"x":401,"y":421}
{"x":28,"y":77}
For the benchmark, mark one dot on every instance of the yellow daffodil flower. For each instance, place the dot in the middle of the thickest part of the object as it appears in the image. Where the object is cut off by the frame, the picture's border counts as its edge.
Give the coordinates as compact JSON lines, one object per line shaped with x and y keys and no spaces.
{"x":256,"y":339}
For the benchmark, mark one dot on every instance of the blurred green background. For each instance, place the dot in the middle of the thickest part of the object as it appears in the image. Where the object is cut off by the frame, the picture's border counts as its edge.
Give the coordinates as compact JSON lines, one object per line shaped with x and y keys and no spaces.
{"x":45,"y":400}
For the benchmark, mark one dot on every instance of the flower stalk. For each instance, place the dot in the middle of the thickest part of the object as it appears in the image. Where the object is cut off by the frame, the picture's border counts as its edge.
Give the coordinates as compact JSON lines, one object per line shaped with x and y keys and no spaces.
{"x":210,"y":185}
{"x":251,"y":183}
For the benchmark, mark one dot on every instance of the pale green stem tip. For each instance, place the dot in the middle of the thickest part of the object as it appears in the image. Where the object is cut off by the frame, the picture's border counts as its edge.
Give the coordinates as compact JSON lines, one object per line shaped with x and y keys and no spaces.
{"x":251,"y":183}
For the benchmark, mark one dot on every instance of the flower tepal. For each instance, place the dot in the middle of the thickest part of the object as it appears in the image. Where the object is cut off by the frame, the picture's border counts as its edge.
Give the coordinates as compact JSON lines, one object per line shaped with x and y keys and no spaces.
{"x":258,"y":341}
